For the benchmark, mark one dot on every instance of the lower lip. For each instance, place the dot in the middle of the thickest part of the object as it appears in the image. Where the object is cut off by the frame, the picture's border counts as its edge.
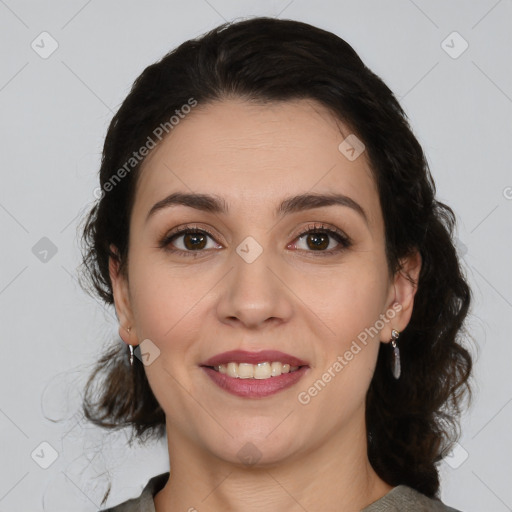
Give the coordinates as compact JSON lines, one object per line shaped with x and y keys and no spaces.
{"x":255,"y":388}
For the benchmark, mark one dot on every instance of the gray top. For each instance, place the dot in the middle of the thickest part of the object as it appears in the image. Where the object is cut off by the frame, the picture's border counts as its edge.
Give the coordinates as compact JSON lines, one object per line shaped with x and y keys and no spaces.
{"x":399,"y":499}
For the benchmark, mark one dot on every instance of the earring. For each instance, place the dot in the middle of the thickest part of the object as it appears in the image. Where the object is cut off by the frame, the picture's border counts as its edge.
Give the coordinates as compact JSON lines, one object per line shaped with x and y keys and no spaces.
{"x":128,"y":329}
{"x":395,"y":367}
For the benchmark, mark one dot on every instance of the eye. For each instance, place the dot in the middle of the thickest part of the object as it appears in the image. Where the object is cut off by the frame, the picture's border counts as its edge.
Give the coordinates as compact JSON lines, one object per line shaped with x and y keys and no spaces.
{"x":318,"y":238}
{"x":188,"y":241}
{"x":191,"y":241}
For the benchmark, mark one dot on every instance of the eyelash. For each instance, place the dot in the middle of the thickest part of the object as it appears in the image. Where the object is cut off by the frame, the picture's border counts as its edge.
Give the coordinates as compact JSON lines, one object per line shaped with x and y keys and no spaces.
{"x":339,"y":236}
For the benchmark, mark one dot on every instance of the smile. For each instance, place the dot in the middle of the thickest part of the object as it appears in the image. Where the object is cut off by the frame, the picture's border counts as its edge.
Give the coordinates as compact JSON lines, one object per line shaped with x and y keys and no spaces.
{"x":254,"y":374}
{"x":259,"y":371}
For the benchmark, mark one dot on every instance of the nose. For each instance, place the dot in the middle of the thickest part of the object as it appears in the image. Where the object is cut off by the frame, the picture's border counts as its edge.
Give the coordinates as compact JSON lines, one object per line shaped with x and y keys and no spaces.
{"x":255,"y":293}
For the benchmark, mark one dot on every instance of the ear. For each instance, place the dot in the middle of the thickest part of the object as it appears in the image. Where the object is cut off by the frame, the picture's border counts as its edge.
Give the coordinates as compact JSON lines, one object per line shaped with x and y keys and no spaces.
{"x":402,"y":292}
{"x":121,"y":294}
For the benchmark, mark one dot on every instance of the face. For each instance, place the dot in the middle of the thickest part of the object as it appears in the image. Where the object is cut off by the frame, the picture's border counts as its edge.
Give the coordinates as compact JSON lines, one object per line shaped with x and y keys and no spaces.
{"x":302,"y":277}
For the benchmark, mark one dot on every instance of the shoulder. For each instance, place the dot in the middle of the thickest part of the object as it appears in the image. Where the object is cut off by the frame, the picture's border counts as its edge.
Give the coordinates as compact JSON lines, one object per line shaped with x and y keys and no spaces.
{"x":144,"y":502}
{"x":403,"y":498}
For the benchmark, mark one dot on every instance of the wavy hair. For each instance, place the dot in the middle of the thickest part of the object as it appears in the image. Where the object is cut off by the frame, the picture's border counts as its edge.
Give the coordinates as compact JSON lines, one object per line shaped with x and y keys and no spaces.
{"x":412,"y":422}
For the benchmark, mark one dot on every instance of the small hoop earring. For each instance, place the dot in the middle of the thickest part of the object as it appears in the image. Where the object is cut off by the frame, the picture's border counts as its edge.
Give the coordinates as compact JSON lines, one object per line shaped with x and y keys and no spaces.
{"x":395,"y":365}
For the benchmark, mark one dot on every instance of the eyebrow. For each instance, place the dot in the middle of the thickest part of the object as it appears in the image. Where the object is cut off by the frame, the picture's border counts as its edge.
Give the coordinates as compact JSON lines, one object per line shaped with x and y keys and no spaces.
{"x":215,"y":204}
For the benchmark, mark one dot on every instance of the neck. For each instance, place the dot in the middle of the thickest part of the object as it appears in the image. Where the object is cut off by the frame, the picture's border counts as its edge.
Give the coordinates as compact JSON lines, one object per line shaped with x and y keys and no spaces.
{"x":333,"y":476}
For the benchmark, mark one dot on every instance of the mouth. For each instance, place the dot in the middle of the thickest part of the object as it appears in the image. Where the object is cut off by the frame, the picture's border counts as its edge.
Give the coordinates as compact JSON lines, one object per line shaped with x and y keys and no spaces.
{"x":254,"y":374}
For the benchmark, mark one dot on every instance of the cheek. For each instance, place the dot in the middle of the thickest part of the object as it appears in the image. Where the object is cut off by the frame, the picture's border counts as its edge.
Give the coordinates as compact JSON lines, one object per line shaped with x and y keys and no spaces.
{"x":167,"y":311}
{"x":165,"y":299}
{"x":345,"y":300}
{"x":350,"y":308}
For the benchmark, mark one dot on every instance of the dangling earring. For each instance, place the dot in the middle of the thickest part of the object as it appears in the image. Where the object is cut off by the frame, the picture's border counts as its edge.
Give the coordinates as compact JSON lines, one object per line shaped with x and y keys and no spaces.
{"x":396,"y":368}
{"x":130,"y":347}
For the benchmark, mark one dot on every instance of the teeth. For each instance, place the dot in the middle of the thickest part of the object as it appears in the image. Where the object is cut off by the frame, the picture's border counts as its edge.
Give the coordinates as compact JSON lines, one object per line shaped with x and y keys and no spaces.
{"x":255,"y":371}
{"x":232,"y":369}
{"x":245,"y":371}
{"x":262,"y":371}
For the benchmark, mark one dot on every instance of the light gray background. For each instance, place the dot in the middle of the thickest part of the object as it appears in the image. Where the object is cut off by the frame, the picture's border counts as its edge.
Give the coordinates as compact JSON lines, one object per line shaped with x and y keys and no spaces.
{"x":54,"y":115}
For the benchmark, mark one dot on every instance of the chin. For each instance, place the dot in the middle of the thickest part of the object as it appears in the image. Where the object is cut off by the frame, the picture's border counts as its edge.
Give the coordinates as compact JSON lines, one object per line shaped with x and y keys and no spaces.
{"x":257,"y":449}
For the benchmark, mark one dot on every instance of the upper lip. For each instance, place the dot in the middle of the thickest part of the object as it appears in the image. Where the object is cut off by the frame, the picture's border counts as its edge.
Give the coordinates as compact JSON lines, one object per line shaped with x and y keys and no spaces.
{"x":243,"y":356}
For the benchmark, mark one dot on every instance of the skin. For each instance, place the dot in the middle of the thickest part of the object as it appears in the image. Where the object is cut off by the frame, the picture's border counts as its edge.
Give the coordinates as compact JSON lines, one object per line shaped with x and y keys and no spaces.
{"x":291,"y":298}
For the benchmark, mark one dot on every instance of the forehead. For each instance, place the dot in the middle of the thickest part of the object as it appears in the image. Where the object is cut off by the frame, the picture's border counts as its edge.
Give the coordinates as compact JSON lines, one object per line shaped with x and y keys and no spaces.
{"x":256,"y":154}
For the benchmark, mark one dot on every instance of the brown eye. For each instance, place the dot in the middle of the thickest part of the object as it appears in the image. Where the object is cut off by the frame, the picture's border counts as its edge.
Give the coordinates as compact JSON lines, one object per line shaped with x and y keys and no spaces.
{"x":194,"y":241}
{"x":317,"y":240}
{"x":320,"y":239}
{"x":188,"y":241}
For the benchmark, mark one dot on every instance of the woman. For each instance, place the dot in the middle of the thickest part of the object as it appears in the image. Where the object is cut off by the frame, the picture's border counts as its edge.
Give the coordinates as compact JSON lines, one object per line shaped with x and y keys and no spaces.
{"x":268,"y":232}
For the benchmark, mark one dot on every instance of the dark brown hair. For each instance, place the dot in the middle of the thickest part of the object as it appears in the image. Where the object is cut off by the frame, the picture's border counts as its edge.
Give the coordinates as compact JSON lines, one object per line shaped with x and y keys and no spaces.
{"x":412,"y":422}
